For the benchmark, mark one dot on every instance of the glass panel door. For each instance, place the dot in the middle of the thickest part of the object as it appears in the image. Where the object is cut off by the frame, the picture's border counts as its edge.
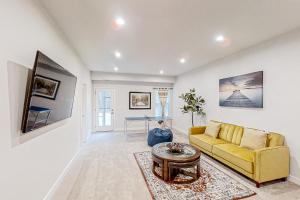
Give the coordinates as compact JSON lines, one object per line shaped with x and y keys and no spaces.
{"x":104,"y":109}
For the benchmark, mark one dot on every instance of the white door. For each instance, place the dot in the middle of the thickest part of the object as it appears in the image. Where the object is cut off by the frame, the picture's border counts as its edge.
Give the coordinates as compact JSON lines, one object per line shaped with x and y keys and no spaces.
{"x":104,"y":109}
{"x":84,"y":129}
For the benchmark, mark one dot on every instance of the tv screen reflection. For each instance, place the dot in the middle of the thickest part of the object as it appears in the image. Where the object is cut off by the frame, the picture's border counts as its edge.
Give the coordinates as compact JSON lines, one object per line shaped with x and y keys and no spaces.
{"x":51,"y":94}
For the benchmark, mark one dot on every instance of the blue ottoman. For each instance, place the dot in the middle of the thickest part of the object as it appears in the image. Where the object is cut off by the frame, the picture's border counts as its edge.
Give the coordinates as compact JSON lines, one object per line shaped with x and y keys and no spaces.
{"x":158,"y":135}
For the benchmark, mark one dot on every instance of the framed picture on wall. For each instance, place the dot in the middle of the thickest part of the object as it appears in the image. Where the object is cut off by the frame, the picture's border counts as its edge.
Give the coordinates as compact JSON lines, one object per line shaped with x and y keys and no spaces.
{"x":139,"y":100}
{"x":45,"y":87}
{"x":242,"y":91}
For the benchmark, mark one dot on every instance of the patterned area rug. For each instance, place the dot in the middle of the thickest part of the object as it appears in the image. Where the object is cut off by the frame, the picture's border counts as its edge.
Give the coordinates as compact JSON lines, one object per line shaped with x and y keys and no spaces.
{"x":212,"y":185}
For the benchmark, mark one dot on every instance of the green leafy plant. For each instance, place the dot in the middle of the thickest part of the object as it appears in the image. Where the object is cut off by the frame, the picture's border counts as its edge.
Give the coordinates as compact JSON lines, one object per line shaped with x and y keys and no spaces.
{"x":193,"y":103}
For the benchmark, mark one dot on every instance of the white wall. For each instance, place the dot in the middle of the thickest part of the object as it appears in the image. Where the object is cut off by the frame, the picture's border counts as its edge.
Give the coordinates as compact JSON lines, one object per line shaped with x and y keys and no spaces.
{"x":29,"y":170}
{"x":122,"y":90}
{"x":280,"y":61}
{"x":105,"y":76}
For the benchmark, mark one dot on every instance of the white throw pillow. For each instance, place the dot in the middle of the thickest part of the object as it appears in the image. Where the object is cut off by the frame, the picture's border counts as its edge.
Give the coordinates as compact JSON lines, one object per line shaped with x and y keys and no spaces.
{"x":212,"y":129}
{"x":254,"y":139}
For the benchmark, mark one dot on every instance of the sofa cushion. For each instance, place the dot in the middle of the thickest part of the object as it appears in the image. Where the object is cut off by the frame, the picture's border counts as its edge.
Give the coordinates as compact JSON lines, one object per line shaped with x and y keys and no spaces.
{"x":231,"y":133}
{"x":254,"y":139}
{"x":236,"y":155}
{"x":212,"y":129}
{"x":275,"y":139}
{"x":206,"y":142}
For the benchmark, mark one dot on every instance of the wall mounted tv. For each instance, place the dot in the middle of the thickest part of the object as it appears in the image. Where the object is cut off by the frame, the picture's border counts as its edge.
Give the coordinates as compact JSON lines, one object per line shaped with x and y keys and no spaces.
{"x":49,"y":96}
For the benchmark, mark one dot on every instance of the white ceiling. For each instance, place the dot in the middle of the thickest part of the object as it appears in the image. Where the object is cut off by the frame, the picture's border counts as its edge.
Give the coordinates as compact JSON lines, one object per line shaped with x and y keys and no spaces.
{"x":158,"y":32}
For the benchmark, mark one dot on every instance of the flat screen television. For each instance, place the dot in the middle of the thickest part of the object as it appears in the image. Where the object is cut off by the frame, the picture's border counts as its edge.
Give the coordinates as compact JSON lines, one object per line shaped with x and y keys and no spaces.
{"x":49,"y":96}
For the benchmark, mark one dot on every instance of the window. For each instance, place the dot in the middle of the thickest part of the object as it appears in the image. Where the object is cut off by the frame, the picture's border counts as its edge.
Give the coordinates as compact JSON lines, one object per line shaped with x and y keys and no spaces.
{"x":158,"y":107}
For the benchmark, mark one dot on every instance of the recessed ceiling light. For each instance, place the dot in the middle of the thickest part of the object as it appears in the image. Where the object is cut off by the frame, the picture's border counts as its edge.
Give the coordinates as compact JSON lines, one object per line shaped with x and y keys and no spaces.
{"x":220,"y":38}
{"x":116,"y":69}
{"x":223,"y":41}
{"x":118,"y":54}
{"x":161,"y":72}
{"x":120,"y":21}
{"x":182,"y":60}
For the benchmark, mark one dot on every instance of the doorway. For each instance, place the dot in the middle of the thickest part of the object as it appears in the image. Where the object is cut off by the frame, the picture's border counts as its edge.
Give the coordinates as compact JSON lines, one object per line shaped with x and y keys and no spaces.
{"x":104,"y":109}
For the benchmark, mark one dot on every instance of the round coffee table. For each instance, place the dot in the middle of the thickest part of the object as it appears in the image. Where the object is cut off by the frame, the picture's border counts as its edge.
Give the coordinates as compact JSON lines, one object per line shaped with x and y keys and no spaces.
{"x":172,"y":164}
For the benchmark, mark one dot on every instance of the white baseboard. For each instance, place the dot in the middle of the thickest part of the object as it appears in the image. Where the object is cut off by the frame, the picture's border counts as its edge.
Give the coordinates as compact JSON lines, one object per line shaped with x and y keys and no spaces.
{"x":294,"y":179}
{"x":59,"y":180}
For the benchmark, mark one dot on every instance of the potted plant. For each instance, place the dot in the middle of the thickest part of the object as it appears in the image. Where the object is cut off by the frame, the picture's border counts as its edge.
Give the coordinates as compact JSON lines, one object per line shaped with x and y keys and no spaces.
{"x":193,"y":103}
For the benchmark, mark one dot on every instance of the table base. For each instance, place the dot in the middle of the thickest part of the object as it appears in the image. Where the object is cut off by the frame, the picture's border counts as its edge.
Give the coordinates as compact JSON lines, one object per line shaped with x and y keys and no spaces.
{"x":171,"y":169}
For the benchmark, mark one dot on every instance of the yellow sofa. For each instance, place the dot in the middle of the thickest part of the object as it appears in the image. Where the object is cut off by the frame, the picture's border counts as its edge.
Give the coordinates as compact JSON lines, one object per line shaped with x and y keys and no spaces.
{"x":261,"y":165}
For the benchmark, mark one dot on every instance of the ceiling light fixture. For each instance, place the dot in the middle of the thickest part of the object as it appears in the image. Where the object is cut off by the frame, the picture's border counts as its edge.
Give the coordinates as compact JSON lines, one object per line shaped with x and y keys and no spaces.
{"x":182,"y":60}
{"x":118,"y":54}
{"x":161,"y":72}
{"x":223,"y":41}
{"x":220,"y":38}
{"x":116,"y":69}
{"x":120,"y":21}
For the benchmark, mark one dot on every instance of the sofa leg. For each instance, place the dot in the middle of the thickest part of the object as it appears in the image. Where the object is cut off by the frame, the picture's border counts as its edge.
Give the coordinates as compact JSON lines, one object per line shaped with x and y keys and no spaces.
{"x":283,"y":179}
{"x":257,"y":184}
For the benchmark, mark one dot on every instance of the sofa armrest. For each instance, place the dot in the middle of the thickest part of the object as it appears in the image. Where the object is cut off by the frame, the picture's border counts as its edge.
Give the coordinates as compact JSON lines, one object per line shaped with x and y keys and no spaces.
{"x":197,"y":130}
{"x":271,"y":163}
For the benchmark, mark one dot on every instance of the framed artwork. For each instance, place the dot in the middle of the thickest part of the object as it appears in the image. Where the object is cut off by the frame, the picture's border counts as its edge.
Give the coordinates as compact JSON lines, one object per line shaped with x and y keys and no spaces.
{"x":139,"y":100}
{"x":242,"y":91}
{"x":45,"y":87}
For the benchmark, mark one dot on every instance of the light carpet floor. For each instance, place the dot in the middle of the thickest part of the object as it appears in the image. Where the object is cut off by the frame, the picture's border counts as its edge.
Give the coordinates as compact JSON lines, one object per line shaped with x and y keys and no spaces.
{"x":106,"y":169}
{"x":213,"y":184}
